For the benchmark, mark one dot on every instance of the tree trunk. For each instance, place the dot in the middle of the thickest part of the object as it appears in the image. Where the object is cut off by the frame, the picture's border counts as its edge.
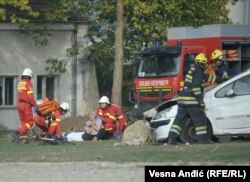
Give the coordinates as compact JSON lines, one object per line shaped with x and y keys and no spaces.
{"x":116,"y":96}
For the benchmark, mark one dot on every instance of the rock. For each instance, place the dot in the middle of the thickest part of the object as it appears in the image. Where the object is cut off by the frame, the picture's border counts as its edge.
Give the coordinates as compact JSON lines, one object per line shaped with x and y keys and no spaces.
{"x":137,"y":133}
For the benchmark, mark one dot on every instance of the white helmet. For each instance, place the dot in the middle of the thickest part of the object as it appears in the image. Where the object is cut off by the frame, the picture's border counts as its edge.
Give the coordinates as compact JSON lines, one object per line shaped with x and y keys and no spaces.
{"x":27,"y":72}
{"x":65,"y":106}
{"x":104,"y":99}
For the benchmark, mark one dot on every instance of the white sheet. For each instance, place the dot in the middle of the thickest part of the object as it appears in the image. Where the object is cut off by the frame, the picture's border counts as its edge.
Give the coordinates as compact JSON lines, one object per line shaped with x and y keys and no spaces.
{"x":75,"y":136}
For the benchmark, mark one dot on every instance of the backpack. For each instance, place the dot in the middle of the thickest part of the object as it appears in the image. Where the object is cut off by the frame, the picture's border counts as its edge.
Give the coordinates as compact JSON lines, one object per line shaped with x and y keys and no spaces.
{"x":47,"y":106}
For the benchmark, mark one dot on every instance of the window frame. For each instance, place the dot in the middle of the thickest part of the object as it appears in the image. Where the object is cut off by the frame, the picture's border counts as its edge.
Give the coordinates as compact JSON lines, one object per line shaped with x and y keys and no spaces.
{"x":42,"y":90}
{"x":14,"y":91}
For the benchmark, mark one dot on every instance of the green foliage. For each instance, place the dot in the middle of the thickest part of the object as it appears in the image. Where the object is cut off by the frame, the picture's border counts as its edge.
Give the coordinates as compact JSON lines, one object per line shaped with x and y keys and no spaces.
{"x":56,"y":66}
{"x":21,"y":5}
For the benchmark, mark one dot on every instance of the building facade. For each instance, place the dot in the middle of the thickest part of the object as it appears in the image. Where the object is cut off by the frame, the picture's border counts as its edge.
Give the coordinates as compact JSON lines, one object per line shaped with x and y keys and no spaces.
{"x":78,"y":86}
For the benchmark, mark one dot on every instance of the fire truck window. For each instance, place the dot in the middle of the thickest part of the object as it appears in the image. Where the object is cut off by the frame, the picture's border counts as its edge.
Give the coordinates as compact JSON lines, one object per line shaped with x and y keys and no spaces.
{"x":188,"y":61}
{"x":167,"y":66}
{"x":159,"y":66}
{"x":148,"y":67}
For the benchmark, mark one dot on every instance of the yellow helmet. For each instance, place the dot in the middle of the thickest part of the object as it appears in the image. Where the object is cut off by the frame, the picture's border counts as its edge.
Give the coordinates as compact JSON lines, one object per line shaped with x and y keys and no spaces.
{"x":217,"y":54}
{"x":201,"y":58}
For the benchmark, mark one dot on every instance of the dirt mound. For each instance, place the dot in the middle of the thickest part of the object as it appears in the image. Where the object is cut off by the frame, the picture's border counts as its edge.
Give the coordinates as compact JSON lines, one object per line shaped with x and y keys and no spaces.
{"x":73,"y":123}
{"x":78,"y":123}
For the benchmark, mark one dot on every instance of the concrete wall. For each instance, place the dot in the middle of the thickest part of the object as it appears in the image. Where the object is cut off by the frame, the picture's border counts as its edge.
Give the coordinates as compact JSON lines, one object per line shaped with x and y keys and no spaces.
{"x":18,"y":51}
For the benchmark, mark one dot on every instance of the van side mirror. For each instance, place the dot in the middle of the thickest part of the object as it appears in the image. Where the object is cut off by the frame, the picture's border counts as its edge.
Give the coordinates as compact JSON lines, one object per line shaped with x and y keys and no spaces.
{"x":230,"y":93}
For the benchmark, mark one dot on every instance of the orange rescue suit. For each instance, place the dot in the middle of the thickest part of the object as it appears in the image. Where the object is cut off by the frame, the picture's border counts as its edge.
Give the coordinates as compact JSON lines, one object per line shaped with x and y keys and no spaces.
{"x":53,"y":128}
{"x":110,"y":115}
{"x":25,"y":103}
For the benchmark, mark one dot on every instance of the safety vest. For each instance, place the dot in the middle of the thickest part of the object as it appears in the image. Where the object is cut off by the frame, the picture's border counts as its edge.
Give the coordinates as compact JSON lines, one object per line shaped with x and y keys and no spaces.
{"x":192,"y":92}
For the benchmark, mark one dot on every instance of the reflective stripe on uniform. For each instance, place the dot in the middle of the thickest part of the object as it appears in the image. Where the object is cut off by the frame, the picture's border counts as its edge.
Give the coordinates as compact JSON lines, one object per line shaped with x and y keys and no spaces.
{"x":176,"y":129}
{"x":107,"y":114}
{"x":30,"y":92}
{"x":21,"y":86}
{"x":201,"y":130}
{"x":108,"y":129}
{"x":225,"y":75}
{"x":211,"y":79}
{"x":111,"y":116}
{"x":187,"y":102}
{"x":27,"y":125}
{"x":196,"y":90}
{"x":186,"y":98}
{"x":120,"y":117}
{"x":53,"y":124}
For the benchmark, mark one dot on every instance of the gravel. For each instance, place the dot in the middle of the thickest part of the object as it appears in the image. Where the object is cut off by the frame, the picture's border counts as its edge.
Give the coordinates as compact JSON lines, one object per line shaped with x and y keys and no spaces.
{"x":71,"y":172}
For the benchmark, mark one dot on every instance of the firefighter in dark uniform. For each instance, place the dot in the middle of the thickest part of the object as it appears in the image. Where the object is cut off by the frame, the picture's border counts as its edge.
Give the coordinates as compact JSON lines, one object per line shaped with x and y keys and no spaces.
{"x":190,"y":103}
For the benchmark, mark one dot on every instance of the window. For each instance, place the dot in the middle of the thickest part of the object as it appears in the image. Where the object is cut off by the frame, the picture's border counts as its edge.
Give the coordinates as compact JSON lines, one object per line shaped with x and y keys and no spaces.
{"x":7,"y":87}
{"x":45,"y":86}
{"x":188,"y":62}
{"x":154,"y":66}
{"x":240,"y":87}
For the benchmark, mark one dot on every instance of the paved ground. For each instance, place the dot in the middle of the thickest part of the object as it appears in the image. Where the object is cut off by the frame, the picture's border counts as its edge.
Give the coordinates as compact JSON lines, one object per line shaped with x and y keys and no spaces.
{"x":71,"y":172}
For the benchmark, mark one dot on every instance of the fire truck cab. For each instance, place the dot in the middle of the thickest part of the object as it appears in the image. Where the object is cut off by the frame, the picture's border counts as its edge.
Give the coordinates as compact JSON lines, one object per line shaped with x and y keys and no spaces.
{"x":161,"y":70}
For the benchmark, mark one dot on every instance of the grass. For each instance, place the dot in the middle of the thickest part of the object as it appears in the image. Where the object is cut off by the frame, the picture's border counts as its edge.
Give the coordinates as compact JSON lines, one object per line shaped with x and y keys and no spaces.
{"x":234,"y":153}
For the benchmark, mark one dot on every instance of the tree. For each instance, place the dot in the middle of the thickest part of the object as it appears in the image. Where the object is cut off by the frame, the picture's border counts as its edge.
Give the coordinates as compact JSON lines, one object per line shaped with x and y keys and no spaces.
{"x":118,"y":70}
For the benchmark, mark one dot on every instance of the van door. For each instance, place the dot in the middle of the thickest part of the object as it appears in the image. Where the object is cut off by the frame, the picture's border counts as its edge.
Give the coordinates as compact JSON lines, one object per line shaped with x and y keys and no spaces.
{"x":230,"y":106}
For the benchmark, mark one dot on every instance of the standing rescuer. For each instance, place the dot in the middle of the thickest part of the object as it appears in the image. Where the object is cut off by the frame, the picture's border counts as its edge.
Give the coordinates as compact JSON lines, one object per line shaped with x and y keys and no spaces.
{"x":213,"y":72}
{"x":190,"y":103}
{"x":113,"y":119}
{"x":25,"y":102}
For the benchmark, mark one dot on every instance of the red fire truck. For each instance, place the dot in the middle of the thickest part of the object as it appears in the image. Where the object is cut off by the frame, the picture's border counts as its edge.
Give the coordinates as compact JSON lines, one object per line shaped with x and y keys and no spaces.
{"x":160,"y":70}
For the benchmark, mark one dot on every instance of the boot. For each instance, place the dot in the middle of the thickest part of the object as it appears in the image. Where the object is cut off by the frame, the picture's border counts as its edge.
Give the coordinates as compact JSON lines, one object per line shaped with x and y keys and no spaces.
{"x":172,"y":141}
{"x":203,"y":139}
{"x":15,"y":136}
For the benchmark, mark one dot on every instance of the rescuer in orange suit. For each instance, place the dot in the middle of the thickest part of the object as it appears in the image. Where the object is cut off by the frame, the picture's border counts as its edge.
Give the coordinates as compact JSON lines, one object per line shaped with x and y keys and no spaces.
{"x":211,"y":70}
{"x":51,"y":125}
{"x":113,"y":119}
{"x":25,"y":102}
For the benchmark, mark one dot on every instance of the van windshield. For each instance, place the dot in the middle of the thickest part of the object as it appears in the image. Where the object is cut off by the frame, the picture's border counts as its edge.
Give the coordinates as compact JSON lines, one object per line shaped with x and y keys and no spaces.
{"x":155,"y":66}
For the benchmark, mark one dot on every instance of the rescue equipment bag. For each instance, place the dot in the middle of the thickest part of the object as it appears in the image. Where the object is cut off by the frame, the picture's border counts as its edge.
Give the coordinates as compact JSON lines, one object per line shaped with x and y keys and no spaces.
{"x":47,"y":106}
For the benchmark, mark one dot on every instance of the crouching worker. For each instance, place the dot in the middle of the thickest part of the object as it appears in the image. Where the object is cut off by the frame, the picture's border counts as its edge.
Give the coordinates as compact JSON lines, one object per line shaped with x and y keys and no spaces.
{"x":113,"y":119}
{"x":93,"y":126}
{"x":50,"y":123}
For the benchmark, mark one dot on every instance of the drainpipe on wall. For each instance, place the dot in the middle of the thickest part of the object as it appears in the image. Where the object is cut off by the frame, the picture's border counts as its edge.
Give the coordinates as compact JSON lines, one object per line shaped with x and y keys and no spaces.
{"x":74,"y":77}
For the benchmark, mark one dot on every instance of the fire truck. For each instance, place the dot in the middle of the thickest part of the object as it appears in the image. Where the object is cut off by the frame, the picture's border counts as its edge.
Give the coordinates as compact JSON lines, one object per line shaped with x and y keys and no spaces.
{"x":160,"y":70}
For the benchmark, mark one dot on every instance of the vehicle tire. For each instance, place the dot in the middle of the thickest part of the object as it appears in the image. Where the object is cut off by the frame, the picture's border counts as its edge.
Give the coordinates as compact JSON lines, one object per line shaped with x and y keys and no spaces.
{"x":188,"y":134}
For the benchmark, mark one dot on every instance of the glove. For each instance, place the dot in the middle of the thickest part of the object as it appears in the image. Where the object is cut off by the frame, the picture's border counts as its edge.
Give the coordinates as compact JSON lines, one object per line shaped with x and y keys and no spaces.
{"x":118,"y":134}
{"x":202,"y":105}
{"x":35,"y":110}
